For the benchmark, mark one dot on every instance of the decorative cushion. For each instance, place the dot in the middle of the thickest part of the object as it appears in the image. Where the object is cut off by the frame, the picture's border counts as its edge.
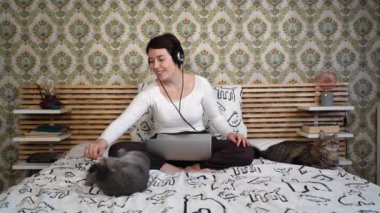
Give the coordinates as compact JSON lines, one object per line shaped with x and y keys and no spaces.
{"x":144,"y":127}
{"x":76,"y":151}
{"x":228,"y":100}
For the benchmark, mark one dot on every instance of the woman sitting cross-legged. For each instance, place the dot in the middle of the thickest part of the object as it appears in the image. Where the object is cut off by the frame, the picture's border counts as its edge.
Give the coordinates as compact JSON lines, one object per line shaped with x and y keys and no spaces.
{"x":178,"y":101}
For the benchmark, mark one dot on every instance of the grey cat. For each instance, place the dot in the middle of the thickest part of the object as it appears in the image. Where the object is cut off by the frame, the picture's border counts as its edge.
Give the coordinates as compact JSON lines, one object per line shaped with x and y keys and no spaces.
{"x":321,"y":153}
{"x":120,"y":176}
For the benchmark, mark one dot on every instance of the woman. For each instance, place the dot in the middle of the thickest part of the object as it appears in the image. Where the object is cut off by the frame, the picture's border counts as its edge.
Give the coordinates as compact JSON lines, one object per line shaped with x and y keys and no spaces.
{"x":178,"y":101}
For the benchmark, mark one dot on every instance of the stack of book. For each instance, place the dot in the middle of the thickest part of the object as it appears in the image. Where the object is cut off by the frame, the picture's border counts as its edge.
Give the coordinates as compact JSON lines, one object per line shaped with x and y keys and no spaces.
{"x":44,"y":157}
{"x":328,"y":128}
{"x":46,"y":130}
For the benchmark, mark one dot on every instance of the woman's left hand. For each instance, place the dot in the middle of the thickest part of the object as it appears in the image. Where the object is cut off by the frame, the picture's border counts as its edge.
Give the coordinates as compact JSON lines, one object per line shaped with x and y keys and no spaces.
{"x":238,"y":139}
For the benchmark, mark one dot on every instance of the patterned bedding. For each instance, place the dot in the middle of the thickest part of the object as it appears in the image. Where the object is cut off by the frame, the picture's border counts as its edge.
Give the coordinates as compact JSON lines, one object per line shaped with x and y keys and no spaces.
{"x":263,"y":186}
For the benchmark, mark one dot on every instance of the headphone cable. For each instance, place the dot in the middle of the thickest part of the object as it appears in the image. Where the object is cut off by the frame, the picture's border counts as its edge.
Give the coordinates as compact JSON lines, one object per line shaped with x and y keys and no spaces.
{"x":180,"y":100}
{"x":180,"y":97}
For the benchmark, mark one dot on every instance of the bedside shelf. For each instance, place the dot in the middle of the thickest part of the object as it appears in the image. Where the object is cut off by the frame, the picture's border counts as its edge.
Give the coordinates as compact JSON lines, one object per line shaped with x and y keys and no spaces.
{"x":326,"y":108}
{"x":34,"y":141}
{"x":316,"y":135}
{"x":41,"y":111}
{"x":344,"y":162}
{"x":41,"y":139}
{"x":23,"y":165}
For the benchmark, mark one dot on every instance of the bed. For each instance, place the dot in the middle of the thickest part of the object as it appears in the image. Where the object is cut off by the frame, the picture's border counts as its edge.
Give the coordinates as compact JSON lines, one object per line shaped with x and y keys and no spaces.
{"x":263,"y":186}
{"x":269,"y":113}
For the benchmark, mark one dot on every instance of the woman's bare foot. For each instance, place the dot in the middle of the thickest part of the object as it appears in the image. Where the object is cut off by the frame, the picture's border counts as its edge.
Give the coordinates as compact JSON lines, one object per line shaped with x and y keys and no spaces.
{"x":207,"y":170}
{"x":168,"y":168}
{"x":192,"y":168}
{"x":197,"y":168}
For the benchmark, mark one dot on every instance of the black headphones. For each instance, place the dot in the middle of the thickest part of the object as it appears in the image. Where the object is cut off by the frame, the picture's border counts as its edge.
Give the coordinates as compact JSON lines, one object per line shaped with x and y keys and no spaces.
{"x":177,"y":53}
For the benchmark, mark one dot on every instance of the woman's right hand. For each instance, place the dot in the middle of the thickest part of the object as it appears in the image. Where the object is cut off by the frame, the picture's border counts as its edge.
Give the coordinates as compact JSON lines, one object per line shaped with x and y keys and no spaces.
{"x":96,"y":149}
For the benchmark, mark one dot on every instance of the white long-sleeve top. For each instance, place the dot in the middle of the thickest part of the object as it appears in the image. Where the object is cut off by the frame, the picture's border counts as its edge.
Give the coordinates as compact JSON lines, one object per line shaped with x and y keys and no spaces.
{"x":166,"y":117}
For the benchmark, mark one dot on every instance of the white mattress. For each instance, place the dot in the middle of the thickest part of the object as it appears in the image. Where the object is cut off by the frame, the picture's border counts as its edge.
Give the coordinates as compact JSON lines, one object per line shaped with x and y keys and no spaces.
{"x":263,"y":186}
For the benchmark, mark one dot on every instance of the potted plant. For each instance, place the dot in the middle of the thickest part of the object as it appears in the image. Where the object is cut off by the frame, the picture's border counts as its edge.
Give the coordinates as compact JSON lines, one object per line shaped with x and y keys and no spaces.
{"x":48,"y":99}
{"x":326,"y":82}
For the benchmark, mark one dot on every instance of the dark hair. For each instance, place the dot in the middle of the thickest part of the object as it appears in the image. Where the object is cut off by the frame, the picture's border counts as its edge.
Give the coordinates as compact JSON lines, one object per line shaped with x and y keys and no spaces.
{"x":169,"y":42}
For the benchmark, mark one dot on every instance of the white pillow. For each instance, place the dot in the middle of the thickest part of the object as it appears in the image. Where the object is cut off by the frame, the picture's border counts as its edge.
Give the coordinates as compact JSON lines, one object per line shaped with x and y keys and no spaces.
{"x":143,"y":129}
{"x":229,"y":99}
{"x":76,"y":151}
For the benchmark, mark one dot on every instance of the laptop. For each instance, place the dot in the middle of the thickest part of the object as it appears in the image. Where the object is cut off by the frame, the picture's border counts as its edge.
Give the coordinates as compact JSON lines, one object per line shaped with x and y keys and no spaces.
{"x":183,"y":147}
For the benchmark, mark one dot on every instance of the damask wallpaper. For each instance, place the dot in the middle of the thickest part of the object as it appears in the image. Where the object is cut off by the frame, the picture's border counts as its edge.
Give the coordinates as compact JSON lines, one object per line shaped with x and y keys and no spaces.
{"x":226,"y":41}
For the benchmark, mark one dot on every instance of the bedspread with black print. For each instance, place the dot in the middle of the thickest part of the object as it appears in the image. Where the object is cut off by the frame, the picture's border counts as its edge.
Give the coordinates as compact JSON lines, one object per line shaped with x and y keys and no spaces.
{"x":263,"y":186}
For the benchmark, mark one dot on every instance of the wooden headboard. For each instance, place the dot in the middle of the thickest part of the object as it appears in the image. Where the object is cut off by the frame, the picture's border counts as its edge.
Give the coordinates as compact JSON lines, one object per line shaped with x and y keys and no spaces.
{"x":269,"y":111}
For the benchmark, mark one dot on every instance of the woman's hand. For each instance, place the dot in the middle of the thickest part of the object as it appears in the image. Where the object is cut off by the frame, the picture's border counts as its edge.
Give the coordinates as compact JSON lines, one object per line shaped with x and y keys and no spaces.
{"x":96,"y":149}
{"x":238,"y":139}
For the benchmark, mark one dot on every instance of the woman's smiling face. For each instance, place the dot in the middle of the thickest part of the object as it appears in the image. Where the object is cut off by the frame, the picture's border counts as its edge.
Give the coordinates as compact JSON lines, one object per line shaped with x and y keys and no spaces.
{"x":161,"y":63}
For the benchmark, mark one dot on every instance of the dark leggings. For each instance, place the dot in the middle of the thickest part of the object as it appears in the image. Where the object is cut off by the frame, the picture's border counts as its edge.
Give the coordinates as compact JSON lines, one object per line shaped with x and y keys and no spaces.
{"x":224,"y":154}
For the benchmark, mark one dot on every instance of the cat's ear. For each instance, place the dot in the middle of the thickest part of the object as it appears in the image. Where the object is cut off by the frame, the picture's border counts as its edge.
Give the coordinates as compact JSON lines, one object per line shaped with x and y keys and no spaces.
{"x":91,"y":174}
{"x":93,"y":168}
{"x":336,"y":138}
{"x":322,"y":135}
{"x":109,"y":165}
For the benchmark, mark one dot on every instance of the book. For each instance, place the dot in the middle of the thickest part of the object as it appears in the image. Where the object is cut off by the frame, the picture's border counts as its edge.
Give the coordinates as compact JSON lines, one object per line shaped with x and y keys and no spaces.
{"x":44,"y":157}
{"x":34,"y":132}
{"x":43,"y":136}
{"x":51,"y":128}
{"x":47,"y":130}
{"x":317,"y":129}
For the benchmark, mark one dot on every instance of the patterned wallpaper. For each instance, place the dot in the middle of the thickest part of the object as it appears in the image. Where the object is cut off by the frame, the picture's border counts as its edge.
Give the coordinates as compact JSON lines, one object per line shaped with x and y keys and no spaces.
{"x":226,"y":41}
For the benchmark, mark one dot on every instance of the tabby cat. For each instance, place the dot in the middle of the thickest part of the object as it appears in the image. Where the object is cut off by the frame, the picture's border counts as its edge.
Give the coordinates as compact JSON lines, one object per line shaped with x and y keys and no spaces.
{"x":123,"y":175}
{"x":321,"y":153}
